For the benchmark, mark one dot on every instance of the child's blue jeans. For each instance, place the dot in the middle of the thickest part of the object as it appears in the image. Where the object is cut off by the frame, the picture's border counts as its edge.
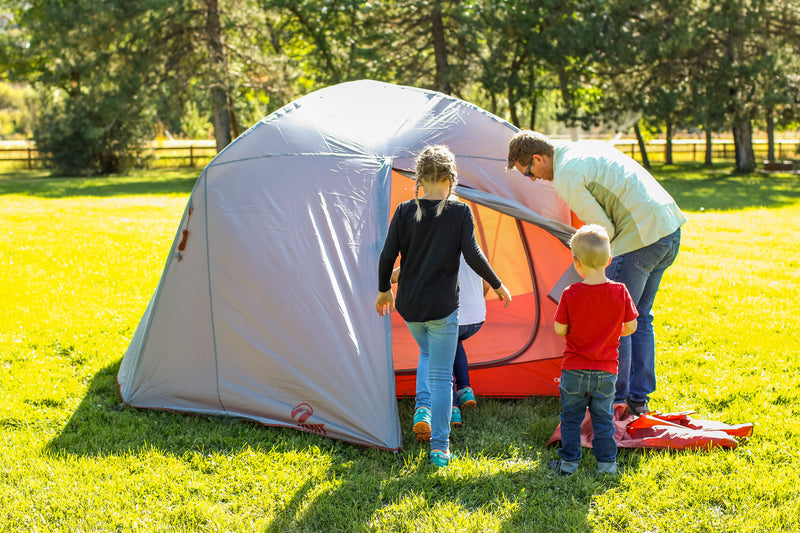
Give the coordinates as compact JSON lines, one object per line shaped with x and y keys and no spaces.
{"x":437,"y":348}
{"x":593,"y":389}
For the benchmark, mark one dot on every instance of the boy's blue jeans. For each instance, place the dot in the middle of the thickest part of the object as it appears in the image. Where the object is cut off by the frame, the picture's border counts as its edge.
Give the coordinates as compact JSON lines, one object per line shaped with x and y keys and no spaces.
{"x":641,"y":272}
{"x":581,"y":389}
{"x":437,"y":341}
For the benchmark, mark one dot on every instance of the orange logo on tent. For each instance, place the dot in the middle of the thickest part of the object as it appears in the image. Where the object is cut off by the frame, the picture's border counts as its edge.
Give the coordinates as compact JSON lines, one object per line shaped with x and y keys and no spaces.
{"x":302,"y":412}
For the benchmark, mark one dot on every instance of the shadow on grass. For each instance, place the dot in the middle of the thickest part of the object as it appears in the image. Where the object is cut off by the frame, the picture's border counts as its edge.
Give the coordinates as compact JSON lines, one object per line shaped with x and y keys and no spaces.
{"x":718,"y":188}
{"x":371,"y":488}
{"x":157,"y":181}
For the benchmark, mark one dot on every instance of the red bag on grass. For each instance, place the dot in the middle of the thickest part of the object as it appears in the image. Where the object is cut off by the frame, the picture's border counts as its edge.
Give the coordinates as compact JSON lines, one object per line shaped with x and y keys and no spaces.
{"x":677,"y":431}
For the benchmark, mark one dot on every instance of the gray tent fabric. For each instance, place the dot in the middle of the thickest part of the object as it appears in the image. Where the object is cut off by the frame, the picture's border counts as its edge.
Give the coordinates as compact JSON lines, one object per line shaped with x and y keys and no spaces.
{"x":266,"y":311}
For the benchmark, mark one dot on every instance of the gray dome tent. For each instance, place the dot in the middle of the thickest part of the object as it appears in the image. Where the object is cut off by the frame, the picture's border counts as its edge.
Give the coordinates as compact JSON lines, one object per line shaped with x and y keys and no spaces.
{"x":265,"y":309}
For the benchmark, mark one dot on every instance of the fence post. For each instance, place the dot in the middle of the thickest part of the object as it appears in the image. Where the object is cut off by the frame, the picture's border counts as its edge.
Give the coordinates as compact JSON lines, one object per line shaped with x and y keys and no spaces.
{"x":191,"y":155}
{"x":30,"y":162}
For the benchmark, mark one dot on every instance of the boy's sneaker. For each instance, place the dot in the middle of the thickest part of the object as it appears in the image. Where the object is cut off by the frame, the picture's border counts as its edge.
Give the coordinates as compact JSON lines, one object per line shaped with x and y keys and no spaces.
{"x":422,"y":423}
{"x":440,"y":458}
{"x":637,"y":408}
{"x":558,"y":466}
{"x":466,"y":398}
{"x":455,"y":417}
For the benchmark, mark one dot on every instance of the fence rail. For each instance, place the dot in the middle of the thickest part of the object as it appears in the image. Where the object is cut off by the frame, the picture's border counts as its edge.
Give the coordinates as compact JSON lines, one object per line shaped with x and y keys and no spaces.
{"x":694,"y":150}
{"x":23,"y":154}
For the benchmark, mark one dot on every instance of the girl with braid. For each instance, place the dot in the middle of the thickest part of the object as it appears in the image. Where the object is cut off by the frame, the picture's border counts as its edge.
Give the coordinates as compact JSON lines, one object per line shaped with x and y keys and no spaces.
{"x":430,"y":233}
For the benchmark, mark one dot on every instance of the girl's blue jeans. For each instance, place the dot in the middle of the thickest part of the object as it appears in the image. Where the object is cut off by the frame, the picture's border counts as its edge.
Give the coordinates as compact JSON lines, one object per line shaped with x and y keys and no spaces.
{"x":593,"y":389}
{"x":641,"y":272}
{"x":437,"y":349}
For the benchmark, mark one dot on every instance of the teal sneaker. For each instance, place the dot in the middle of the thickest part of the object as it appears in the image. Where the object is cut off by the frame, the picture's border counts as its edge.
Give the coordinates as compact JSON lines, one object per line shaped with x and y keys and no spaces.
{"x":422,"y":423}
{"x":466,"y":398}
{"x":455,"y":417}
{"x":440,"y":458}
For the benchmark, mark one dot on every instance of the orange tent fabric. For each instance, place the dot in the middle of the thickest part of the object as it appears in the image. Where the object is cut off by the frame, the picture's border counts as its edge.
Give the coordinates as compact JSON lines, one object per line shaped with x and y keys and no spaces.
{"x":677,"y":431}
{"x":516,"y":353}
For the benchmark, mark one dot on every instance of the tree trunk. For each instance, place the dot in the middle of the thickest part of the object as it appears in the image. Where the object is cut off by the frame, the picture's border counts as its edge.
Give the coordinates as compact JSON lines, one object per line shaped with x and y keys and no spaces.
{"x":668,"y":145}
{"x":512,"y":105}
{"x":219,"y":91}
{"x":642,"y":147}
{"x":234,"y":122}
{"x":534,"y":98}
{"x":566,"y":97}
{"x":440,"y":50}
{"x":709,"y":147}
{"x":741,"y":126}
{"x":770,"y":135}
{"x":743,"y":144}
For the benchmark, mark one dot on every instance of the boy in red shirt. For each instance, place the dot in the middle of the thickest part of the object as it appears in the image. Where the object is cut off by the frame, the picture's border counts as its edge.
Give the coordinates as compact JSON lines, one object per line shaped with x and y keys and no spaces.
{"x":592,"y":315}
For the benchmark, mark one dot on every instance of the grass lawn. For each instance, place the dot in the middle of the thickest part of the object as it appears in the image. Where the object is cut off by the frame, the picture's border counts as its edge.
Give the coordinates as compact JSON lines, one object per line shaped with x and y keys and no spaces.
{"x":79,"y":260}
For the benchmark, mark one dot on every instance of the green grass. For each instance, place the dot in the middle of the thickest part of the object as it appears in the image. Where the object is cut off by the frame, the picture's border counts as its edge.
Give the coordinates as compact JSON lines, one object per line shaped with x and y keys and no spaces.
{"x":79,"y":260}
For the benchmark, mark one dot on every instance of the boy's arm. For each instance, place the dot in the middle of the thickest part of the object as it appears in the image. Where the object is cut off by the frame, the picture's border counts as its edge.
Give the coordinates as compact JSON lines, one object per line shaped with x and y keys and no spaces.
{"x":561,"y":329}
{"x":628,"y":328}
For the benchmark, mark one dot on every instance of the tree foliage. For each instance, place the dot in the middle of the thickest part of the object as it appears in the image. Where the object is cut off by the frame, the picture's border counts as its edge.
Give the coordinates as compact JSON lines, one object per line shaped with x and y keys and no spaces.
{"x":113,"y":73}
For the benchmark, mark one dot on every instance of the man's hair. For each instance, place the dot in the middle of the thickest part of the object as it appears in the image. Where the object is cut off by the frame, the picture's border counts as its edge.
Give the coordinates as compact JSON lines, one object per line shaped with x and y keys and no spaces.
{"x":590,"y":245}
{"x":525,"y":144}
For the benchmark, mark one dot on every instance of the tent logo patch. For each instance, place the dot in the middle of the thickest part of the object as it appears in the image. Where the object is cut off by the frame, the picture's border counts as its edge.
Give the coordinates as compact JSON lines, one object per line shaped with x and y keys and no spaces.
{"x":301,"y":413}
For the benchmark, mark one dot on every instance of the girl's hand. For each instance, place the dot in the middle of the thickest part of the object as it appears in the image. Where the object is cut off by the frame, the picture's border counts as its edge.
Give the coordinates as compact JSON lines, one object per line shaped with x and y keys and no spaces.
{"x":503,"y":294}
{"x":384,"y":303}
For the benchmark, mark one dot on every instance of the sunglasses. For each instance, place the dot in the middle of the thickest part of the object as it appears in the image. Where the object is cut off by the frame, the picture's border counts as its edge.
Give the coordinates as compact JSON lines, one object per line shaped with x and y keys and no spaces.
{"x":528,"y":170}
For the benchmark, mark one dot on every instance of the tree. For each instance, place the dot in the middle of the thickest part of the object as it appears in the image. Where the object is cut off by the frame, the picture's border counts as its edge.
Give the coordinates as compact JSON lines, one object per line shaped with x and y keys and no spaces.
{"x":97,"y":67}
{"x":753,"y":34}
{"x":218,"y":69}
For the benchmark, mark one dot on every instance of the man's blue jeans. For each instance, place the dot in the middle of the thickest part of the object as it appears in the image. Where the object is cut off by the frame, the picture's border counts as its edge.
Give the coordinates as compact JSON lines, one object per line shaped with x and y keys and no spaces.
{"x":641,"y":272}
{"x":581,"y":389}
{"x":437,"y":341}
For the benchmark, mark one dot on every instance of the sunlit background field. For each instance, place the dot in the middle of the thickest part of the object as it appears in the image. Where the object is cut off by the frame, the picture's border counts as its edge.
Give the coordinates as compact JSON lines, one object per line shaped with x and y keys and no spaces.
{"x":79,"y":260}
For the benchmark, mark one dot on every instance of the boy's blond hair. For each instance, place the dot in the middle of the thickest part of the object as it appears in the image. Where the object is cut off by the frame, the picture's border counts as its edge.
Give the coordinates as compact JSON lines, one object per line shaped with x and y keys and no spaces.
{"x":525,"y":144}
{"x":591,"y":246}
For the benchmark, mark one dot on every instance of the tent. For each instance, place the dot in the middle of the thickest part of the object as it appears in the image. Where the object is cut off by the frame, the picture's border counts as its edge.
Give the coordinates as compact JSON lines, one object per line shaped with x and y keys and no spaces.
{"x":265,"y":308}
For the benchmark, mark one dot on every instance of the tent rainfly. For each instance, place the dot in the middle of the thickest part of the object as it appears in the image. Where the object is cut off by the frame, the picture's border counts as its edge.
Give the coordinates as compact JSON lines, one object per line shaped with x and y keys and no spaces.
{"x":265,"y":308}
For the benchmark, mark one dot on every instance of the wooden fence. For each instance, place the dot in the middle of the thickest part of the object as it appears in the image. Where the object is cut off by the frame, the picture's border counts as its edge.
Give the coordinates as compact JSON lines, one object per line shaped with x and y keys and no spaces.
{"x":23,"y":154}
{"x":722,"y":150}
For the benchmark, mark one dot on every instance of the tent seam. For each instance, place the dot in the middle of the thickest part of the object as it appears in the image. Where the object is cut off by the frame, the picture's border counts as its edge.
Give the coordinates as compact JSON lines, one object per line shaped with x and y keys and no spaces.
{"x":211,"y":295}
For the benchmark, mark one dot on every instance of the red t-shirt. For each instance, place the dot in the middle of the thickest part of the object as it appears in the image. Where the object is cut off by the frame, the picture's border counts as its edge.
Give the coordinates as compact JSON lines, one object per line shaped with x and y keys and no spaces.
{"x":594,"y":315}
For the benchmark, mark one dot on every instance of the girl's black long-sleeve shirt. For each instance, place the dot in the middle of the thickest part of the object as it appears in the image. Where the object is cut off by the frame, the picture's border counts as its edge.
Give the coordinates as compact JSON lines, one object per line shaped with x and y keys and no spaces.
{"x":429,"y":257}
